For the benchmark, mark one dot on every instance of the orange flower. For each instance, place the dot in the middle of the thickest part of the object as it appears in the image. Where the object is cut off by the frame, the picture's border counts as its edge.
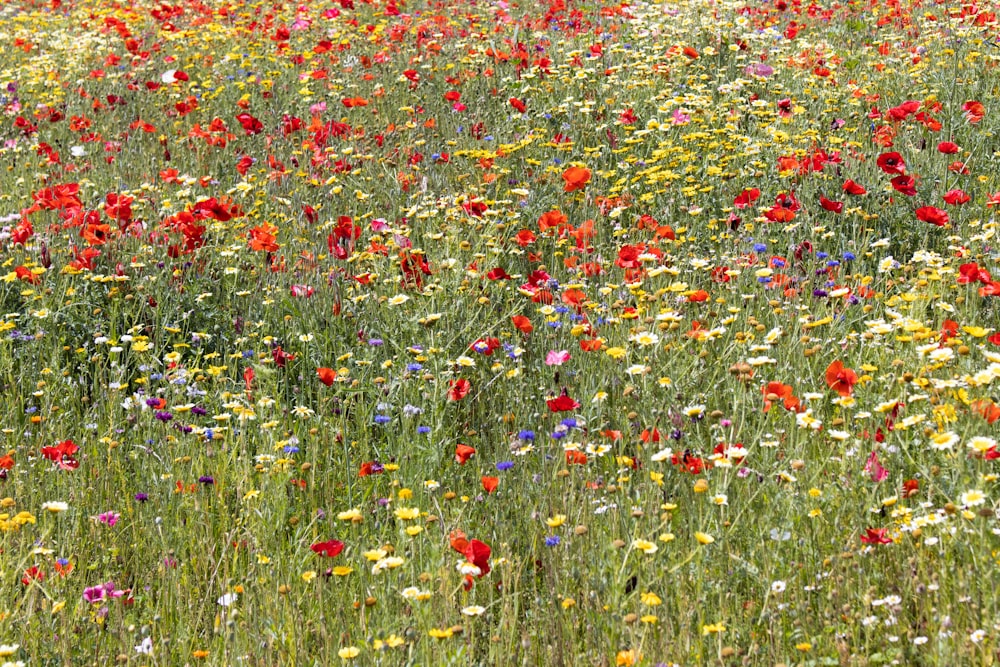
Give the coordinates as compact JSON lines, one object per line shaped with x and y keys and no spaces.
{"x":490,"y":483}
{"x":326,"y":375}
{"x":463,"y":453}
{"x":262,"y":238}
{"x":840,"y":379}
{"x":576,"y":178}
{"x":523,"y":324}
{"x":774,"y":391}
{"x":699,"y":296}
{"x":553,"y":219}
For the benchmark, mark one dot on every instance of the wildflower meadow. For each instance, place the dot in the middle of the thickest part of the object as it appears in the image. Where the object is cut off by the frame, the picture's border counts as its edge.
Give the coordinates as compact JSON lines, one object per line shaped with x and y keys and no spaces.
{"x":493,"y":332}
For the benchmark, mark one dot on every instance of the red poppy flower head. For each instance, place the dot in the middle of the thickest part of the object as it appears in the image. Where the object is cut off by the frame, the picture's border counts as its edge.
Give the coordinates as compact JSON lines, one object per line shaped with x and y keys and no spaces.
{"x":576,"y":178}
{"x":330,"y":548}
{"x":891,"y":163}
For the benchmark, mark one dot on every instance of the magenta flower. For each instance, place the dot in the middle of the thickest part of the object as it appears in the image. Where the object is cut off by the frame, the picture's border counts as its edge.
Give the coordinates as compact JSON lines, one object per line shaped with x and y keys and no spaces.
{"x":110,"y":518}
{"x":556,"y":357}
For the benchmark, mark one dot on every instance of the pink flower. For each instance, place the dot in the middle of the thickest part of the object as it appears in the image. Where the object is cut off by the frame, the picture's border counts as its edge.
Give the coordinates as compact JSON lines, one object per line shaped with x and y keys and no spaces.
{"x":556,"y":357}
{"x":875,"y":469}
{"x":110,"y":518}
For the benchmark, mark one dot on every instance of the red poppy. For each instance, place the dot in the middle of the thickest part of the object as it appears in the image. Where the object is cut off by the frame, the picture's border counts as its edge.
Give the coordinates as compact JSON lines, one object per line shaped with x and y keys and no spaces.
{"x":518,"y":105}
{"x":910,"y":488}
{"x":250,"y":124}
{"x":852,"y":188}
{"x":891,"y":163}
{"x":832,"y":206}
{"x":785,"y":206}
{"x":262,"y":238}
{"x":326,"y":375}
{"x":774,"y":391}
{"x":840,"y":379}
{"x":458,"y":389}
{"x":698,"y":296}
{"x":490,"y":483}
{"x":554,"y":219}
{"x":281,"y":357}
{"x":591,"y":344}
{"x":948,"y":147}
{"x":974,"y":111}
{"x":576,"y":178}
{"x":875,"y":536}
{"x":370,"y":468}
{"x":463,"y":453}
{"x":499,"y":273}
{"x":524,"y":238}
{"x":575,"y":457}
{"x":746,"y":198}
{"x":562,"y":403}
{"x":478,"y":553}
{"x":986,"y":409}
{"x":522,"y":323}
{"x":330,"y":548}
{"x":32,"y":574}
{"x":904,"y":185}
{"x":932,"y":215}
{"x":956,"y":197}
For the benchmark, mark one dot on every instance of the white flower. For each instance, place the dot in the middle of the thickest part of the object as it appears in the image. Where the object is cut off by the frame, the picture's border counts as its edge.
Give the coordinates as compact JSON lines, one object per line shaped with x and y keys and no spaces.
{"x":398,"y":300}
{"x":972,"y":498}
{"x":645,"y":339}
{"x":55,"y":507}
{"x":146,"y":647}
{"x":662,"y":455}
{"x":466,"y":568}
{"x":473,"y":610}
{"x":982,"y":444}
{"x":302,"y":412}
{"x":414,"y":593}
{"x":228,"y":599}
{"x":944,"y":441}
{"x":777,"y":587}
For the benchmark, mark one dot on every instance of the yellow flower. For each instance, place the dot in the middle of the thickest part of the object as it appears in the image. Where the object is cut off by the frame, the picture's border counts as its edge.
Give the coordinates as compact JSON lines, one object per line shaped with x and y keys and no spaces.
{"x":440,"y":633}
{"x":615,"y":352}
{"x":556,"y":521}
{"x":308,"y":575}
{"x":713,"y":628}
{"x":627,"y":658}
{"x":804,"y":646}
{"x":651,"y":599}
{"x":645,"y":547}
{"x":407,"y":513}
{"x":568,"y":602}
{"x":342,"y":570}
{"x":349,"y":652}
{"x":352,"y":514}
{"x":703,"y":538}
